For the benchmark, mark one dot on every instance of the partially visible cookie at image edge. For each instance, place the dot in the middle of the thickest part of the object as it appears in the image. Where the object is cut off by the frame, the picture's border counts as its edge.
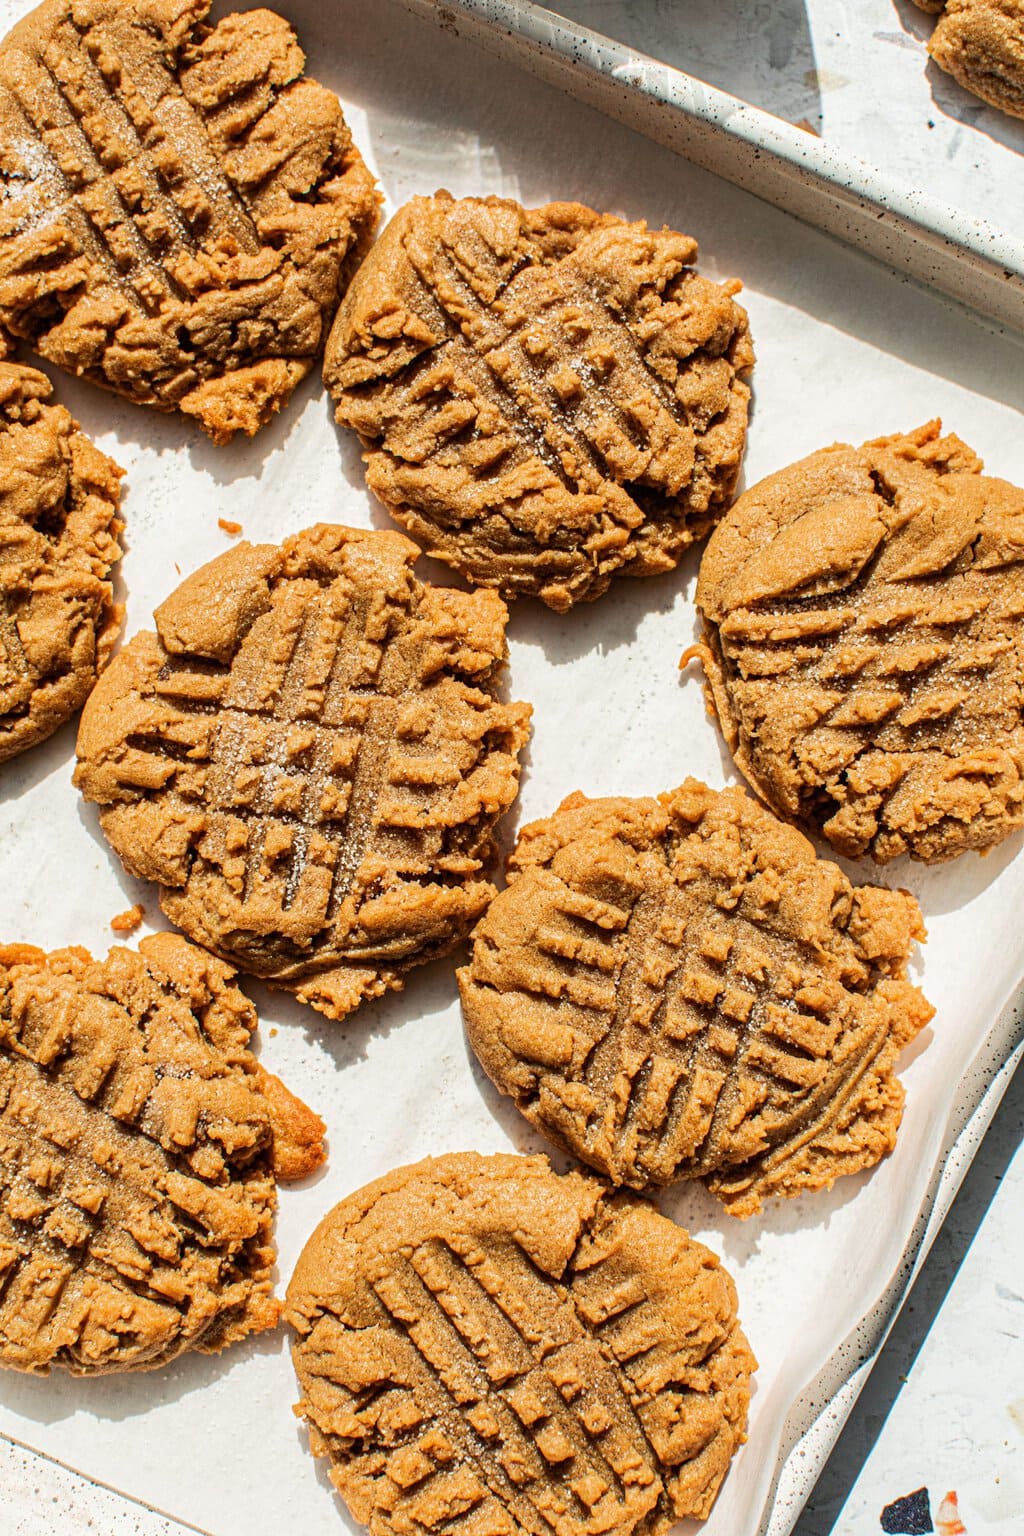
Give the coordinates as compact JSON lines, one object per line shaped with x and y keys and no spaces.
{"x":680,"y":989}
{"x":309,"y":758}
{"x":483,"y":1345}
{"x":546,"y":396}
{"x":140,"y":1142}
{"x":180,"y":204}
{"x":981,"y":44}
{"x":59,"y":529}
{"x":863,"y":618}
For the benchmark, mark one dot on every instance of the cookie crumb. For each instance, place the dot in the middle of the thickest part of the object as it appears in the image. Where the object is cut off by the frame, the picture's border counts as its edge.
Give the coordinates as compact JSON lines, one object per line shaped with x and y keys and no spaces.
{"x":273,"y":1032}
{"x":127,"y":922}
{"x":234,"y":529}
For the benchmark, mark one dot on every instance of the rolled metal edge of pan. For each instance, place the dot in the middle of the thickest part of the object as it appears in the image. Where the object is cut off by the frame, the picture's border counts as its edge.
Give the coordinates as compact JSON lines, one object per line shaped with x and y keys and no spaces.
{"x":963,"y":258}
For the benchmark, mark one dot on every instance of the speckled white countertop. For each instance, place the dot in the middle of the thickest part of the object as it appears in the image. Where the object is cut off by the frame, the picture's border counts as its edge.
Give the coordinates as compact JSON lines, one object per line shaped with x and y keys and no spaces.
{"x":815,"y":62}
{"x":944,"y":1407}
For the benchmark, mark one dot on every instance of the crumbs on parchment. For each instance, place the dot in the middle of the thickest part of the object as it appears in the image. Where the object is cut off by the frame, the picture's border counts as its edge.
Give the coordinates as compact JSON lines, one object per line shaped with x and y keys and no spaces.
{"x":127,"y":922}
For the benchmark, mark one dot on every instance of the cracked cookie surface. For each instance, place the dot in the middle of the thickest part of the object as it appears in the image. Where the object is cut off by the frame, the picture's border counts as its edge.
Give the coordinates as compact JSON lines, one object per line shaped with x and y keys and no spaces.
{"x":59,"y":532}
{"x":309,"y":759}
{"x":486,"y":1346}
{"x":139,"y":1145}
{"x":864,"y":618}
{"x":179,"y":204}
{"x":546,"y":396}
{"x":678,"y":988}
{"x":981,"y":44}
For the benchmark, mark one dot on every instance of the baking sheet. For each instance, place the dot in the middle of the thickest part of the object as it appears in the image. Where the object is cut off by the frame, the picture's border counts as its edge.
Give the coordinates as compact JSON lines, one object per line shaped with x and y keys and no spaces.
{"x":913,"y":231}
{"x":845,"y":351}
{"x":856,"y":71}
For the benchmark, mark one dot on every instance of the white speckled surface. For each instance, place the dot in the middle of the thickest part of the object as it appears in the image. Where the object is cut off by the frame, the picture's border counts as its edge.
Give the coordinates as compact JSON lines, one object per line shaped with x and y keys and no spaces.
{"x":944,"y":1407}
{"x":959,"y":1423}
{"x":857,"y":71}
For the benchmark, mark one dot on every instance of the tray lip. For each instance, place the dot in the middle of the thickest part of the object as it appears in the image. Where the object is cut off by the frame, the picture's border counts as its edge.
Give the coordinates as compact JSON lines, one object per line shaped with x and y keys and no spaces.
{"x":996,"y":1060}
{"x":146,"y":1519}
{"x":639,"y":72}
{"x":909,"y":229}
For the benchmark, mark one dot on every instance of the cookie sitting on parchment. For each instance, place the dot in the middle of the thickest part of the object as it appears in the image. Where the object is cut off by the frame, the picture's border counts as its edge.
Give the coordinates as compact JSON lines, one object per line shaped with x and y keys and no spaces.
{"x":179,"y":205}
{"x":679,"y":989}
{"x":546,"y":396}
{"x":309,"y":759}
{"x":864,"y":616}
{"x":140,"y":1142}
{"x":484,"y":1346}
{"x":981,"y":44}
{"x":59,"y":532}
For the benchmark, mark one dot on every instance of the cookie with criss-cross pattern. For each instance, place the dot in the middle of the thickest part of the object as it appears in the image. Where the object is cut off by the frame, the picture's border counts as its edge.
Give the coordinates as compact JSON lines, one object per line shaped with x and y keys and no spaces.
{"x":546,"y":396}
{"x":864,"y":618}
{"x":139,"y":1146}
{"x":179,"y":205}
{"x":59,"y":532}
{"x":309,"y":759}
{"x":486,"y":1347}
{"x":981,"y":44}
{"x":679,"y":989}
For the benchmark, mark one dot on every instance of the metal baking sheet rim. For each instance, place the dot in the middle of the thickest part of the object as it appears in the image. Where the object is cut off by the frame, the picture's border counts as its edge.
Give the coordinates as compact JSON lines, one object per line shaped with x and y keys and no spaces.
{"x":817,"y":1418}
{"x":963,"y":258}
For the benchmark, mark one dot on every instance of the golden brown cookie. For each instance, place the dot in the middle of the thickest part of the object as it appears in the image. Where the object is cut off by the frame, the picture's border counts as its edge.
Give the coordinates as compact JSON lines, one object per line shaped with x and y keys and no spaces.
{"x":546,"y":396}
{"x":981,"y":44}
{"x":678,"y":989}
{"x":139,"y":1145}
{"x":864,"y":615}
{"x":486,"y":1348}
{"x":179,"y":205}
{"x":309,"y":759}
{"x":58,"y":541}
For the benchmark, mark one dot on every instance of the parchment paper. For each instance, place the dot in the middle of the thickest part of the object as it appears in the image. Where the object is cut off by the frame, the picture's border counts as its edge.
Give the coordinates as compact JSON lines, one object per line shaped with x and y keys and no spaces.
{"x":845,"y":351}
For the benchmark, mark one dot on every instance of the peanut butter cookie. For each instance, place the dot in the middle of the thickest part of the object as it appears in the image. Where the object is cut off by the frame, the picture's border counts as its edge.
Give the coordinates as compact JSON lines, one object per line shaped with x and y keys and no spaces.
{"x":309,"y":760}
{"x":484,"y":1346}
{"x":179,"y":205}
{"x":547,"y":396}
{"x":58,"y":541}
{"x":139,"y":1145}
{"x":864,"y":616}
{"x":981,"y":44}
{"x":678,"y":989}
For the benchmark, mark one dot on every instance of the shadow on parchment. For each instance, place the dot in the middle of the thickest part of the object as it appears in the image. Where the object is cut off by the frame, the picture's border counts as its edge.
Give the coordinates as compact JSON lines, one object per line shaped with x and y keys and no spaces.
{"x":951,"y":98}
